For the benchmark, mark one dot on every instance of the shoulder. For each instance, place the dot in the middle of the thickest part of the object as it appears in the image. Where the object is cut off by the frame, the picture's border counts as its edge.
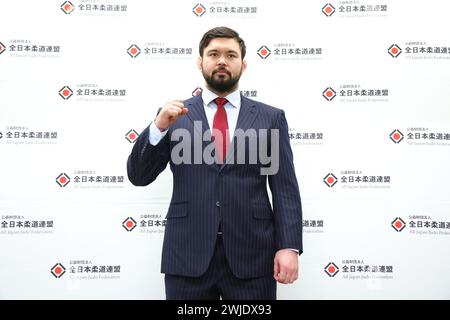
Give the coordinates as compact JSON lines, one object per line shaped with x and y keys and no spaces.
{"x":263,"y":106}
{"x":193,"y":100}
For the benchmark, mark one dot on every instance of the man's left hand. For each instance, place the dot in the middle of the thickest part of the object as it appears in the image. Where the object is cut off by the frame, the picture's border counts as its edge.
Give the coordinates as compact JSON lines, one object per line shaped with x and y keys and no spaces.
{"x":285,"y":268}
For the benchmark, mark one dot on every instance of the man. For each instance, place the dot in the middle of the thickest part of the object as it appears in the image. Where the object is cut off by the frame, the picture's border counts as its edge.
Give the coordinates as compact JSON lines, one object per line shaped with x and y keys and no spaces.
{"x":222,"y":237}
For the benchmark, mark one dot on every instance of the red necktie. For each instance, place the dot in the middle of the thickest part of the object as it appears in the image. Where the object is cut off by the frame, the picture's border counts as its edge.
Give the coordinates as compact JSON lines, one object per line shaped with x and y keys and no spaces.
{"x":221,"y":123}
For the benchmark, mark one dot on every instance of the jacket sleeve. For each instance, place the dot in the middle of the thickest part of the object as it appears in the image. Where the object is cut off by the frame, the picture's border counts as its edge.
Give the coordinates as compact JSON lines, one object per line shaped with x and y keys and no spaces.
{"x":146,"y":161}
{"x":285,"y":194}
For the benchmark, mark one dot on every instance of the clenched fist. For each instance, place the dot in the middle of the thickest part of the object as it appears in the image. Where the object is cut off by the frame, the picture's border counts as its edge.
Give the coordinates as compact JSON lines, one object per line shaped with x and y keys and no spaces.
{"x":169,"y":114}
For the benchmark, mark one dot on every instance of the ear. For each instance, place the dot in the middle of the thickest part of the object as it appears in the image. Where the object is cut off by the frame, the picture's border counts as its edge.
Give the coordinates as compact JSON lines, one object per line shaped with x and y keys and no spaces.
{"x":244,"y":65}
{"x":199,"y":63}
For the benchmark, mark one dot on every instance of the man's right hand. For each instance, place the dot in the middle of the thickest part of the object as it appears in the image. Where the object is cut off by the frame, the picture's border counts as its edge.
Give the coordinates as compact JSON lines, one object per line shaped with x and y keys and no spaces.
{"x":169,"y":114}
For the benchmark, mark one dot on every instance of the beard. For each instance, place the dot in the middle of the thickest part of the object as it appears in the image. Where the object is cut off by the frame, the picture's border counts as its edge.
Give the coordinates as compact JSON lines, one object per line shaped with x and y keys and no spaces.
{"x":222,"y":83}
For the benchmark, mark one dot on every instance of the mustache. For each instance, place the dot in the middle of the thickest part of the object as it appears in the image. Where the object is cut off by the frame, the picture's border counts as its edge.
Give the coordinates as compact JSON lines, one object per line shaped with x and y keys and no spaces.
{"x":222,"y":69}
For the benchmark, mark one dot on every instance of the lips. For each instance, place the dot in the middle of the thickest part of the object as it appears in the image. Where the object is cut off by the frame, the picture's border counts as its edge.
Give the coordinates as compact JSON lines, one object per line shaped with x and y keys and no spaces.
{"x":222,"y":72}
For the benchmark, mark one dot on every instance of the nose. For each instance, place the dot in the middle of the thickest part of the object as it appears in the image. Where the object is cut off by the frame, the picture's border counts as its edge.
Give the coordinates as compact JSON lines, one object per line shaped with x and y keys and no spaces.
{"x":222,"y":60}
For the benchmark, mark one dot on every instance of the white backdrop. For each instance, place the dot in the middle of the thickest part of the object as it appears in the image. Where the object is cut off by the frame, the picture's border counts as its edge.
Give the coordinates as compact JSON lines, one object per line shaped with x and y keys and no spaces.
{"x":372,"y":157}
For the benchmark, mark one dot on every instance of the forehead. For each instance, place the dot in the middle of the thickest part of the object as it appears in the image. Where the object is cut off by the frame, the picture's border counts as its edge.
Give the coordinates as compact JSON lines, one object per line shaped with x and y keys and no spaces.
{"x":223,"y":44}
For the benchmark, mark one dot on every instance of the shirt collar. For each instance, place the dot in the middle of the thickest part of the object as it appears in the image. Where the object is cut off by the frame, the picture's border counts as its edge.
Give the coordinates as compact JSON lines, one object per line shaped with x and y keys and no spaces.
{"x":234,"y":98}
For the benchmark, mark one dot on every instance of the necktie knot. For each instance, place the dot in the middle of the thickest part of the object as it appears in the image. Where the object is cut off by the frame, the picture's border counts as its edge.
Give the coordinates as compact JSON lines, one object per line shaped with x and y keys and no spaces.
{"x":220,"y":102}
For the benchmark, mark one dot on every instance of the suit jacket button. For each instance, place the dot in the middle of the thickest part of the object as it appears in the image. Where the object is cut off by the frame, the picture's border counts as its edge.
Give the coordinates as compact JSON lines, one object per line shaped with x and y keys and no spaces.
{"x":217,"y":203}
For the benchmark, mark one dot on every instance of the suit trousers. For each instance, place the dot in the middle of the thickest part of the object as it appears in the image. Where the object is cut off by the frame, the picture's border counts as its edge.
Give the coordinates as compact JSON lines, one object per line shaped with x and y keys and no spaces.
{"x":218,"y":282}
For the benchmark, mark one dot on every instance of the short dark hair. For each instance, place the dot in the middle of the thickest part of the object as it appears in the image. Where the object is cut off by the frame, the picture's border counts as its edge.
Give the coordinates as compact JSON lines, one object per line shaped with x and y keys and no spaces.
{"x":221,"y":32}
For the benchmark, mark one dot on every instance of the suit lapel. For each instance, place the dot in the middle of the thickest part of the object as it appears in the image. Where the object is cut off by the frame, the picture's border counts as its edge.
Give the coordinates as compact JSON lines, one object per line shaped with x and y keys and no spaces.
{"x":246,"y":117}
{"x":197,"y":114}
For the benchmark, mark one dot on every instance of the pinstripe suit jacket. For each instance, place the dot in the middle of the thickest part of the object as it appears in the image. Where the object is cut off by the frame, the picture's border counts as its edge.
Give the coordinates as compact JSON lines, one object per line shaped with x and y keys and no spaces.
{"x":234,"y":195}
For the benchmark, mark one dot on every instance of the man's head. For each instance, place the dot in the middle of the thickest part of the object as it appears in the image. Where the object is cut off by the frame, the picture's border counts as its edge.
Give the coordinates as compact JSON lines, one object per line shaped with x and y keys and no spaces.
{"x":221,"y":59}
